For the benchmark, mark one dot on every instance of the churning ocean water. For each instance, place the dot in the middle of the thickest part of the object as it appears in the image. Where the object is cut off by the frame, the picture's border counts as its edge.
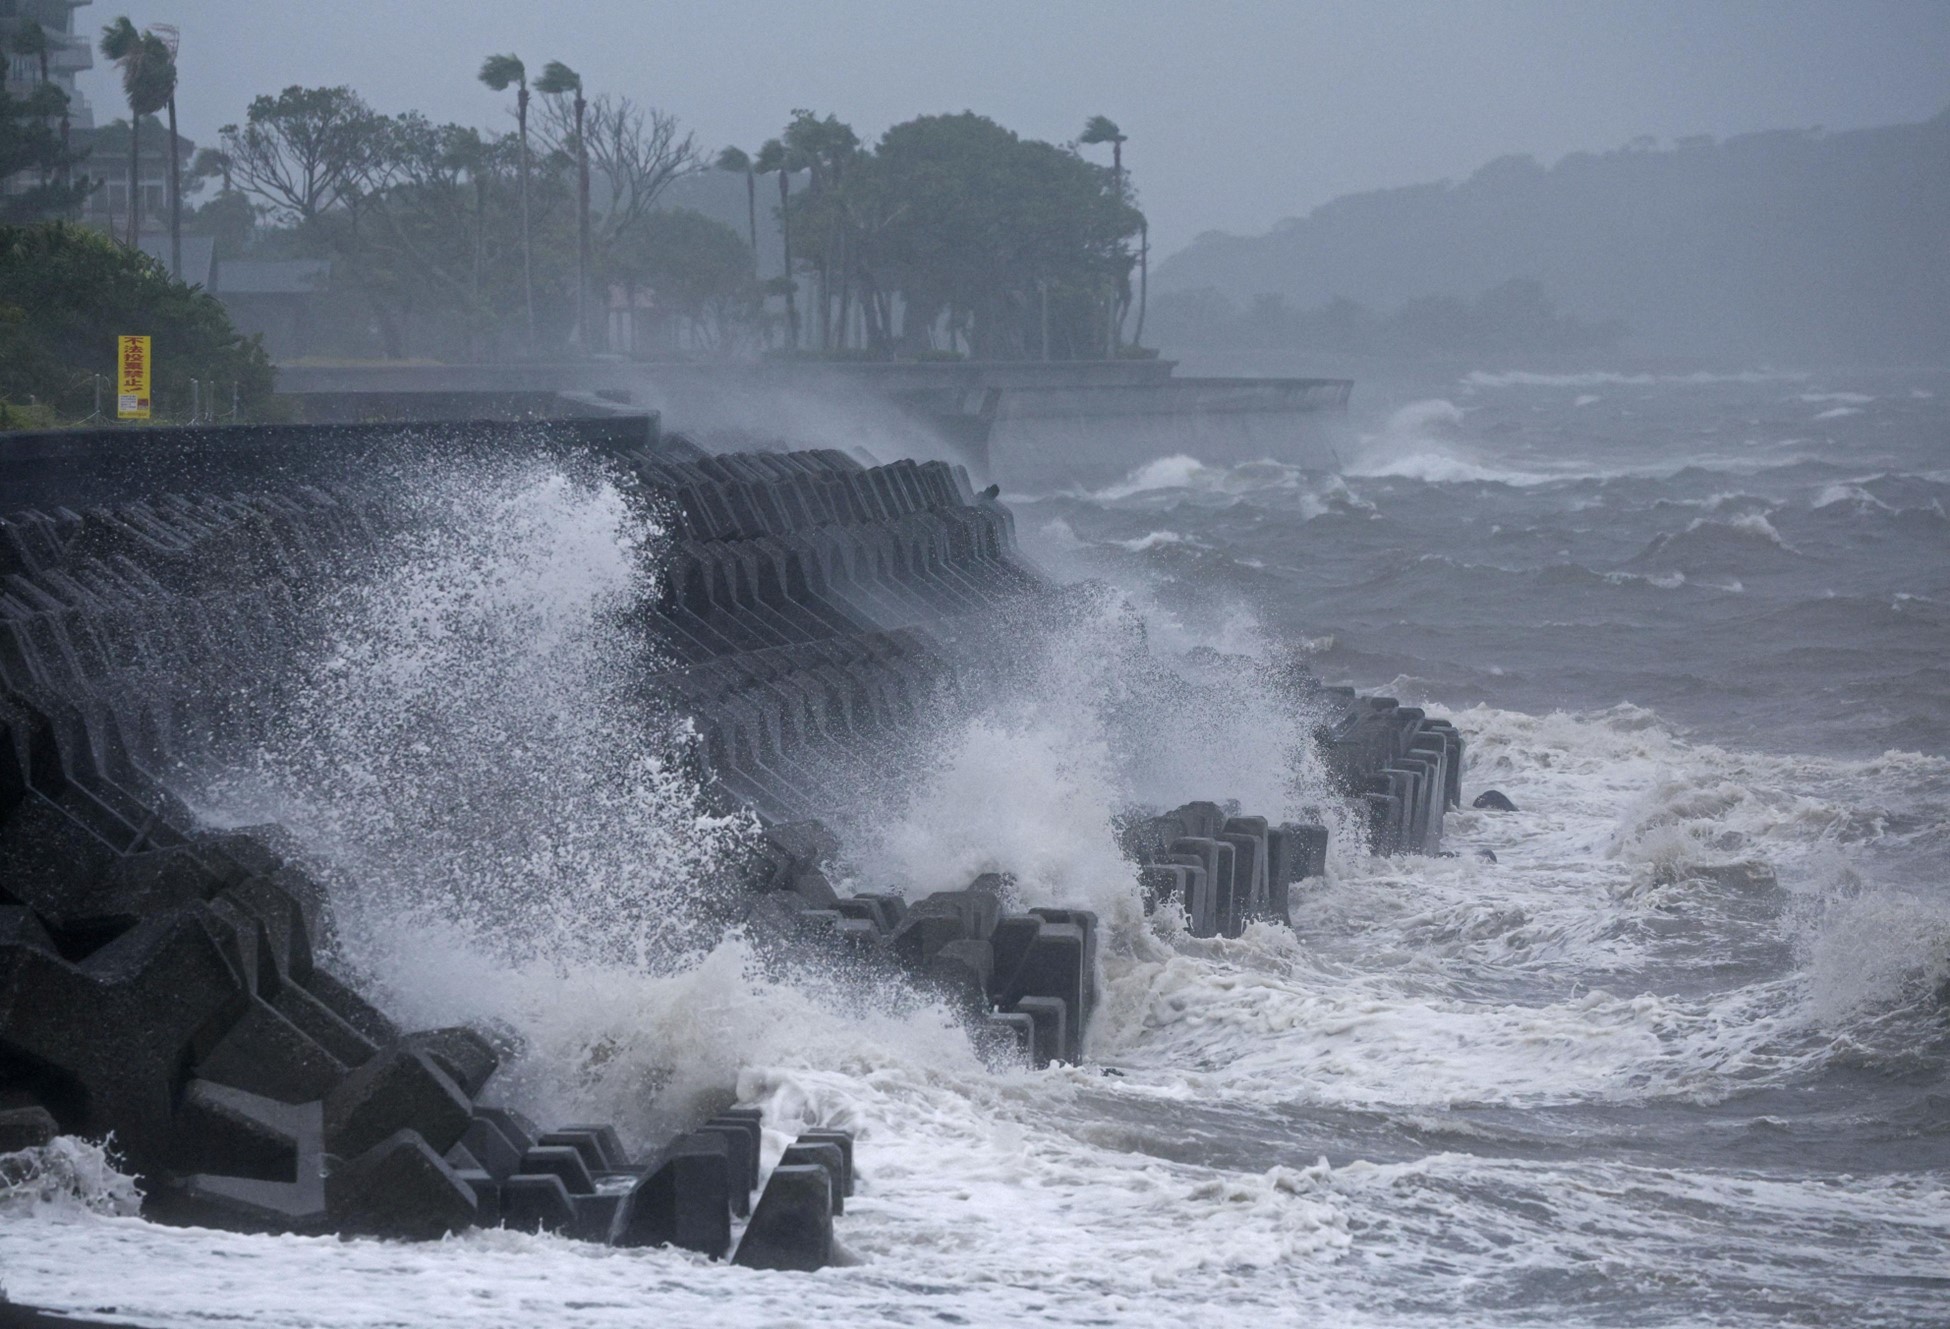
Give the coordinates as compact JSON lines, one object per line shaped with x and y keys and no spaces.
{"x":1679,"y":1054}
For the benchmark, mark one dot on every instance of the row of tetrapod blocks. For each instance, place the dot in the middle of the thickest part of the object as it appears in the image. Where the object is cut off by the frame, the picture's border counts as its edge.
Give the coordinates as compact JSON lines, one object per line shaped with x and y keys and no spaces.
{"x":930,"y":563}
{"x":790,"y":735}
{"x":1028,"y":979}
{"x":287,"y":530}
{"x":742,"y":496}
{"x":1405,"y":767}
{"x":578,"y":1181}
{"x":1223,"y":870}
{"x":167,"y":994}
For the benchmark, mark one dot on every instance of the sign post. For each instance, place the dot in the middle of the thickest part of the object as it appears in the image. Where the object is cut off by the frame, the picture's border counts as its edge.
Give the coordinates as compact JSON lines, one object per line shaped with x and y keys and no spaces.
{"x":132,"y":367}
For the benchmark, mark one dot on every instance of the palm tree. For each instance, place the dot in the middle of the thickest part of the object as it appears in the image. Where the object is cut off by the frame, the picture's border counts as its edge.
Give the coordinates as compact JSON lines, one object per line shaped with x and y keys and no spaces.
{"x":148,"y":81}
{"x":558,"y":79}
{"x":775,"y":156}
{"x":172,"y":39}
{"x":500,"y":72}
{"x":1102,"y":129}
{"x":737,"y":159}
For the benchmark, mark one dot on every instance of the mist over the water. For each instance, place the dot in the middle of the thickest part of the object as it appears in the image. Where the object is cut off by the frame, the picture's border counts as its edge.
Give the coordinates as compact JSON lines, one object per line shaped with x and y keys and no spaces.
{"x":1645,"y":486}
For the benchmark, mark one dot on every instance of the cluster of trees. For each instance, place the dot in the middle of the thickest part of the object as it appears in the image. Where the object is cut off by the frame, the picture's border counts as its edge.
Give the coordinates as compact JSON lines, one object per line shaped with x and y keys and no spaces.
{"x":949,"y":236}
{"x":952,"y":234}
{"x":68,"y":291}
{"x":453,"y":240}
{"x":1513,"y":316}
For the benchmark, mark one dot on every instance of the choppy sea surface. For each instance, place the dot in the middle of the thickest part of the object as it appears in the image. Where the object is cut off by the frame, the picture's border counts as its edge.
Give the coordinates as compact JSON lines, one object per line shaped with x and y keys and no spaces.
{"x":1679,"y":1055}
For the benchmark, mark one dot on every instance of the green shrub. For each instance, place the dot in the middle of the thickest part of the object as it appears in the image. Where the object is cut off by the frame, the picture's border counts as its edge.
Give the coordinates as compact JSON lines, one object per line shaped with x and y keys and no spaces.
{"x":67,"y":292}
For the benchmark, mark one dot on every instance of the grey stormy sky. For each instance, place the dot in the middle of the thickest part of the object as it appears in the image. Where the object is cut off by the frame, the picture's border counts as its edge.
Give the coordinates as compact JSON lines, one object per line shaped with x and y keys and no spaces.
{"x":1239,"y":112}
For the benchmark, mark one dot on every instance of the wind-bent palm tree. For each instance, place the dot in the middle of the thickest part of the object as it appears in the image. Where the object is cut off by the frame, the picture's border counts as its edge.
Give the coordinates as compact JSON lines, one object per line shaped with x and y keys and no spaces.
{"x":500,"y":72}
{"x":737,"y":159}
{"x":1102,"y":129}
{"x":172,"y":39}
{"x":776,"y":156}
{"x":148,"y":82}
{"x":556,"y":80}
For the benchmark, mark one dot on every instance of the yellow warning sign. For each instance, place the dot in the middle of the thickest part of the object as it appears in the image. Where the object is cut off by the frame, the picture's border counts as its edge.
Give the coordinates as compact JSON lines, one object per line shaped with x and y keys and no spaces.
{"x":132,"y":367}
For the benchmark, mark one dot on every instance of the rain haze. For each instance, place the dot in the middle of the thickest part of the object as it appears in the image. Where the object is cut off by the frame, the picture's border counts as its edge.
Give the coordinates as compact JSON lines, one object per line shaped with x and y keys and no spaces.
{"x":866,"y":663}
{"x":1239,"y":114}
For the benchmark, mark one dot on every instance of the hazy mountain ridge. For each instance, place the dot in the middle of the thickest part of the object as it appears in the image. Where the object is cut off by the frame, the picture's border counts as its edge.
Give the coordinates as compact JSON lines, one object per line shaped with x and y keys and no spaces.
{"x":1787,"y":243}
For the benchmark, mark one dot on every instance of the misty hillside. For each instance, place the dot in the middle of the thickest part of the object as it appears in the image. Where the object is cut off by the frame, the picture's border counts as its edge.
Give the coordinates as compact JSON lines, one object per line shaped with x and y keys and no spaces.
{"x":1789,"y":243}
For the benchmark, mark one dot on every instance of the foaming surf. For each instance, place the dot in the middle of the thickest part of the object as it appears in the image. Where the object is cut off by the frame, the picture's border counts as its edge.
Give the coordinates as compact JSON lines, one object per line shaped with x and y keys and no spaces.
{"x":1674,"y":1055}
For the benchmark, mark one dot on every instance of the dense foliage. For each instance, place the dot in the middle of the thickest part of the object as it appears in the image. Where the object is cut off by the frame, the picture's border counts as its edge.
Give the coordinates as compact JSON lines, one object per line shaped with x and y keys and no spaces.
{"x":950,"y":235}
{"x":954,"y":219}
{"x":67,"y":292}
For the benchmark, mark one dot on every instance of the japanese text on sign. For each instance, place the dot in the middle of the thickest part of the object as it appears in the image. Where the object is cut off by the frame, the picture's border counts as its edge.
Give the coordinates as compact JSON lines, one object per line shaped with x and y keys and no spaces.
{"x":132,"y":362}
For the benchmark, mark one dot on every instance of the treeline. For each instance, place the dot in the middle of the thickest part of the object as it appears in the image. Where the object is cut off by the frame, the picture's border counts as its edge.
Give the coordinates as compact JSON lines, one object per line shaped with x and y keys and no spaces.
{"x":1515,"y":316}
{"x":950,"y":236}
{"x":1784,"y":245}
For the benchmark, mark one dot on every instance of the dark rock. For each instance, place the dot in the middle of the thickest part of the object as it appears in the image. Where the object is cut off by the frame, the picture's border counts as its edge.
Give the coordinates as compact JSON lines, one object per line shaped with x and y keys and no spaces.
{"x":1009,"y":944}
{"x":1053,"y":965}
{"x":1493,"y":800}
{"x":792,"y":1227}
{"x":1007,"y":1040}
{"x":399,"y":1188}
{"x":322,"y":1025}
{"x":1487,"y":855}
{"x":26,"y":1128}
{"x":230,"y":1132}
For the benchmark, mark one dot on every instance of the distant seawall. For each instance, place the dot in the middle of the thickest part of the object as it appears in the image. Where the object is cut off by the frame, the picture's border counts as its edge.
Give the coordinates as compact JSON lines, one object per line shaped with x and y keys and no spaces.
{"x":1023,"y":424}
